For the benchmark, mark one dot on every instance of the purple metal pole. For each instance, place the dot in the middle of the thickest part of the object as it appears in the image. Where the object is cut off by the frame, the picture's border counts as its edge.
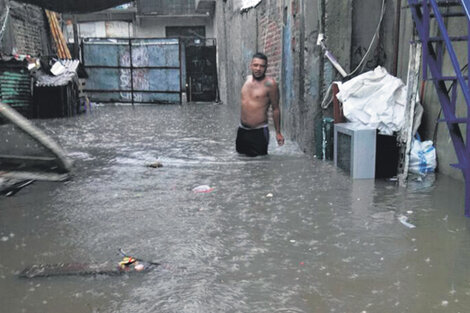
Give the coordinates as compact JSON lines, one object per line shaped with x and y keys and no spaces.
{"x":424,"y":40}
{"x":466,"y":170}
{"x":468,"y":112}
{"x":466,"y":174}
{"x":433,"y":59}
{"x":451,"y":52}
{"x":466,"y":7}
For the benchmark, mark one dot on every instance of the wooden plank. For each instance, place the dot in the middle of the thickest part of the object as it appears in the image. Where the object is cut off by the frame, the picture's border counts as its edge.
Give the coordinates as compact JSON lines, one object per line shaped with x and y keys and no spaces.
{"x":26,"y":158}
{"x":14,"y":188}
{"x":34,"y":176}
{"x":82,"y":269}
{"x":406,"y":134}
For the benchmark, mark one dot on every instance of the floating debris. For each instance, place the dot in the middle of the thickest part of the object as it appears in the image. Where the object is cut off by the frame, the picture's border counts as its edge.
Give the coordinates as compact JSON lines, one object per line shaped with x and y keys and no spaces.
{"x":404,"y":220}
{"x":14,"y":188}
{"x":155,"y":165}
{"x":203,"y":189}
{"x":127,"y":265}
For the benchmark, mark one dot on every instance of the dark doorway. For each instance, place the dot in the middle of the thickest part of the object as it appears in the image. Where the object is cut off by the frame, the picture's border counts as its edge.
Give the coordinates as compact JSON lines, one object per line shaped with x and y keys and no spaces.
{"x":201,"y":73}
{"x":200,"y":56}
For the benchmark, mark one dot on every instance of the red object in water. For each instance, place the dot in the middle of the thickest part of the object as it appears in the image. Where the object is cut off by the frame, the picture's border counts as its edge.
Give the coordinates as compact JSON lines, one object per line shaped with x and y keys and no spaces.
{"x":203,"y":189}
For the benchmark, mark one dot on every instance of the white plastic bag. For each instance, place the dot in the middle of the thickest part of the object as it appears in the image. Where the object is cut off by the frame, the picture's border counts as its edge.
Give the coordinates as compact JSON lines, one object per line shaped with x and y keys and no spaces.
{"x":376,"y":99}
{"x":422,"y":157}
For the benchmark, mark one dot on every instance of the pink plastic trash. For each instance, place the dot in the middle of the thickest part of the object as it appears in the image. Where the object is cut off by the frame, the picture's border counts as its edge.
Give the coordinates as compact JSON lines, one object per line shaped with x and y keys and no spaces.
{"x":203,"y":188}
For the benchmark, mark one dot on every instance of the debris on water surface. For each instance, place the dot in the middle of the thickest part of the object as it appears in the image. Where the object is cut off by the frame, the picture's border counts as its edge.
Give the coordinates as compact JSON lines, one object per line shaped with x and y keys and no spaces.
{"x":404,"y":220}
{"x":203,"y":189}
{"x":155,"y":165}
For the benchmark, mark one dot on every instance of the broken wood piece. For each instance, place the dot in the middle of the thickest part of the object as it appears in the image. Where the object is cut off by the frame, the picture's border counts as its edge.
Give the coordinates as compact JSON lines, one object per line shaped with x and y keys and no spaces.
{"x":155,"y":165}
{"x":84,"y":269}
{"x":14,"y":188}
{"x":21,"y":175}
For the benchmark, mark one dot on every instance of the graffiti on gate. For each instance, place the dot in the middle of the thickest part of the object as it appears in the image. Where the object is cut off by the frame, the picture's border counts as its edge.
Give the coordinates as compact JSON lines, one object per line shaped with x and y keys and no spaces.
{"x":137,"y":79}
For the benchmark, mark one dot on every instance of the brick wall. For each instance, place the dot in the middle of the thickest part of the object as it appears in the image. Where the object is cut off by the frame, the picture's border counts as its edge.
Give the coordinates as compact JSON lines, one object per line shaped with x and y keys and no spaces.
{"x":269,"y":36}
{"x":28,"y":30}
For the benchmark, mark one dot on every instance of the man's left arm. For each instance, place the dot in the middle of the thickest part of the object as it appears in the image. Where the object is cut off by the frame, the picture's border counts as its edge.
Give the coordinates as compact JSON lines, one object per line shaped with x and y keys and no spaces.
{"x":274,"y":100}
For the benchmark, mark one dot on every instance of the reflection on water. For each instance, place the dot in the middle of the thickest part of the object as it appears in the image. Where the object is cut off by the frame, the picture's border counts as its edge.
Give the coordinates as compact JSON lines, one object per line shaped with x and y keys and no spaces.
{"x":280,"y":233}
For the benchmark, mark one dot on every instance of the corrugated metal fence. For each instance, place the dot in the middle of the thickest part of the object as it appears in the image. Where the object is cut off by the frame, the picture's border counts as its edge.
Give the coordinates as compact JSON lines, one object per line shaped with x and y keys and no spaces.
{"x":15,"y":86}
{"x":133,"y":70}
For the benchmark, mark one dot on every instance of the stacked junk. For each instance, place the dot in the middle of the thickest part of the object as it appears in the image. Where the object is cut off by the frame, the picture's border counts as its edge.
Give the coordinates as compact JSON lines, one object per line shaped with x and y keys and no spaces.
{"x":374,"y":130}
{"x":38,"y":79}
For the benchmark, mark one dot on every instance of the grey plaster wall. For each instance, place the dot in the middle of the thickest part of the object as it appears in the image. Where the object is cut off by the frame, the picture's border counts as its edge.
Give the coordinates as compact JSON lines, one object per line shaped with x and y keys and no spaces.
{"x":302,"y":109}
{"x":338,"y":30}
{"x":236,"y":45}
{"x":309,"y":109}
{"x":152,"y":28}
{"x":366,"y":15}
{"x":220,"y":33}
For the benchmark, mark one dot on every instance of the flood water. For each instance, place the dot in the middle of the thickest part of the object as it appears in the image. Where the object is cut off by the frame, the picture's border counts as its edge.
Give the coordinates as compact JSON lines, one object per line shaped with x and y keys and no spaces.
{"x":283,"y":233}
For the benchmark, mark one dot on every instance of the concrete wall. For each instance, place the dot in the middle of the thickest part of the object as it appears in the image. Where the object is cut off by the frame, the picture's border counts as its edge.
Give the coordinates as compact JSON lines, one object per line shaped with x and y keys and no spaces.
{"x":93,"y":29}
{"x":366,"y":16}
{"x":145,"y":28}
{"x":237,"y":42}
{"x":221,"y":30}
{"x":155,"y":27}
{"x":310,"y":110}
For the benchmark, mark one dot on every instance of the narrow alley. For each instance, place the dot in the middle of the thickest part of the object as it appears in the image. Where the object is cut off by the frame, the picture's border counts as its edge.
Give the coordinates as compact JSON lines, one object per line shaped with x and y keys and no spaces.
{"x":121,"y":188}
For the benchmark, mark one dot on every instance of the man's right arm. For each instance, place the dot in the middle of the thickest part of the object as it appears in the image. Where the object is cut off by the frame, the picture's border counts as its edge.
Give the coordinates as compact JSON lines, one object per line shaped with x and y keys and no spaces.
{"x":274,"y":100}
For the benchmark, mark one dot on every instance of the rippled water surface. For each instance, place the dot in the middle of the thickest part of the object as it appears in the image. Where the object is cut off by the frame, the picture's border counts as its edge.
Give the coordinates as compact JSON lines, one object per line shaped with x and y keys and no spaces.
{"x":282,"y":233}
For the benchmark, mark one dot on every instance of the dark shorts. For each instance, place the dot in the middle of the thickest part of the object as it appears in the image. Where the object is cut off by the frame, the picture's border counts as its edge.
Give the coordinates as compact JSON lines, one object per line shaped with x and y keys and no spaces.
{"x":253,"y":142}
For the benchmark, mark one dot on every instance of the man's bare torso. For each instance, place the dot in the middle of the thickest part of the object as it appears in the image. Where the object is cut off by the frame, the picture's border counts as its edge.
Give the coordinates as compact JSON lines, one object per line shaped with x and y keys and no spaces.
{"x":255,"y":101}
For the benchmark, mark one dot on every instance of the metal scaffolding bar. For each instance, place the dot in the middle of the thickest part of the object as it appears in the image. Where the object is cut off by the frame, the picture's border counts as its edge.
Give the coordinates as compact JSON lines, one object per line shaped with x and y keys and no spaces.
{"x":422,"y":12}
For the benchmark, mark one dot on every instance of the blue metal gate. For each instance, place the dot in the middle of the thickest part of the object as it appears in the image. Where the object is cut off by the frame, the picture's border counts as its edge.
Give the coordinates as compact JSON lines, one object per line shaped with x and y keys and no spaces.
{"x":133,"y":70}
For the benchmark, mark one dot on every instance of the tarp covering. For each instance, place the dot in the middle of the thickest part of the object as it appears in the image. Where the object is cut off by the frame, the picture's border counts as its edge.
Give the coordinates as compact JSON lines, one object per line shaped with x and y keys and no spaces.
{"x":74,"y":6}
{"x":376,"y":99}
{"x":248,"y":4}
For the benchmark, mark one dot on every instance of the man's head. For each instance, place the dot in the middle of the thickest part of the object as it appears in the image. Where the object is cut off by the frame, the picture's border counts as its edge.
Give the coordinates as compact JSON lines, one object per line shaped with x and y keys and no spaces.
{"x":258,"y":65}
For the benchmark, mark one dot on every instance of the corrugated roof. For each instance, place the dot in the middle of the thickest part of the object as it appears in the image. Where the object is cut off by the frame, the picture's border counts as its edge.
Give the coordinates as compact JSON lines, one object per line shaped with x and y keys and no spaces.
{"x":68,"y":74}
{"x":15,"y":85}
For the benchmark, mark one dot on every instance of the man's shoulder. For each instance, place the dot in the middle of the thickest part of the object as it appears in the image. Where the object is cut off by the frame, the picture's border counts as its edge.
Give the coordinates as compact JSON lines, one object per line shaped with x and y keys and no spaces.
{"x":270,"y":81}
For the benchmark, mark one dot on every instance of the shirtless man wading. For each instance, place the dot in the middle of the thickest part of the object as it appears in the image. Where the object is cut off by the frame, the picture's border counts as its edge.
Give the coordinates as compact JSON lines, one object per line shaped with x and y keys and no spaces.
{"x":258,"y":93}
